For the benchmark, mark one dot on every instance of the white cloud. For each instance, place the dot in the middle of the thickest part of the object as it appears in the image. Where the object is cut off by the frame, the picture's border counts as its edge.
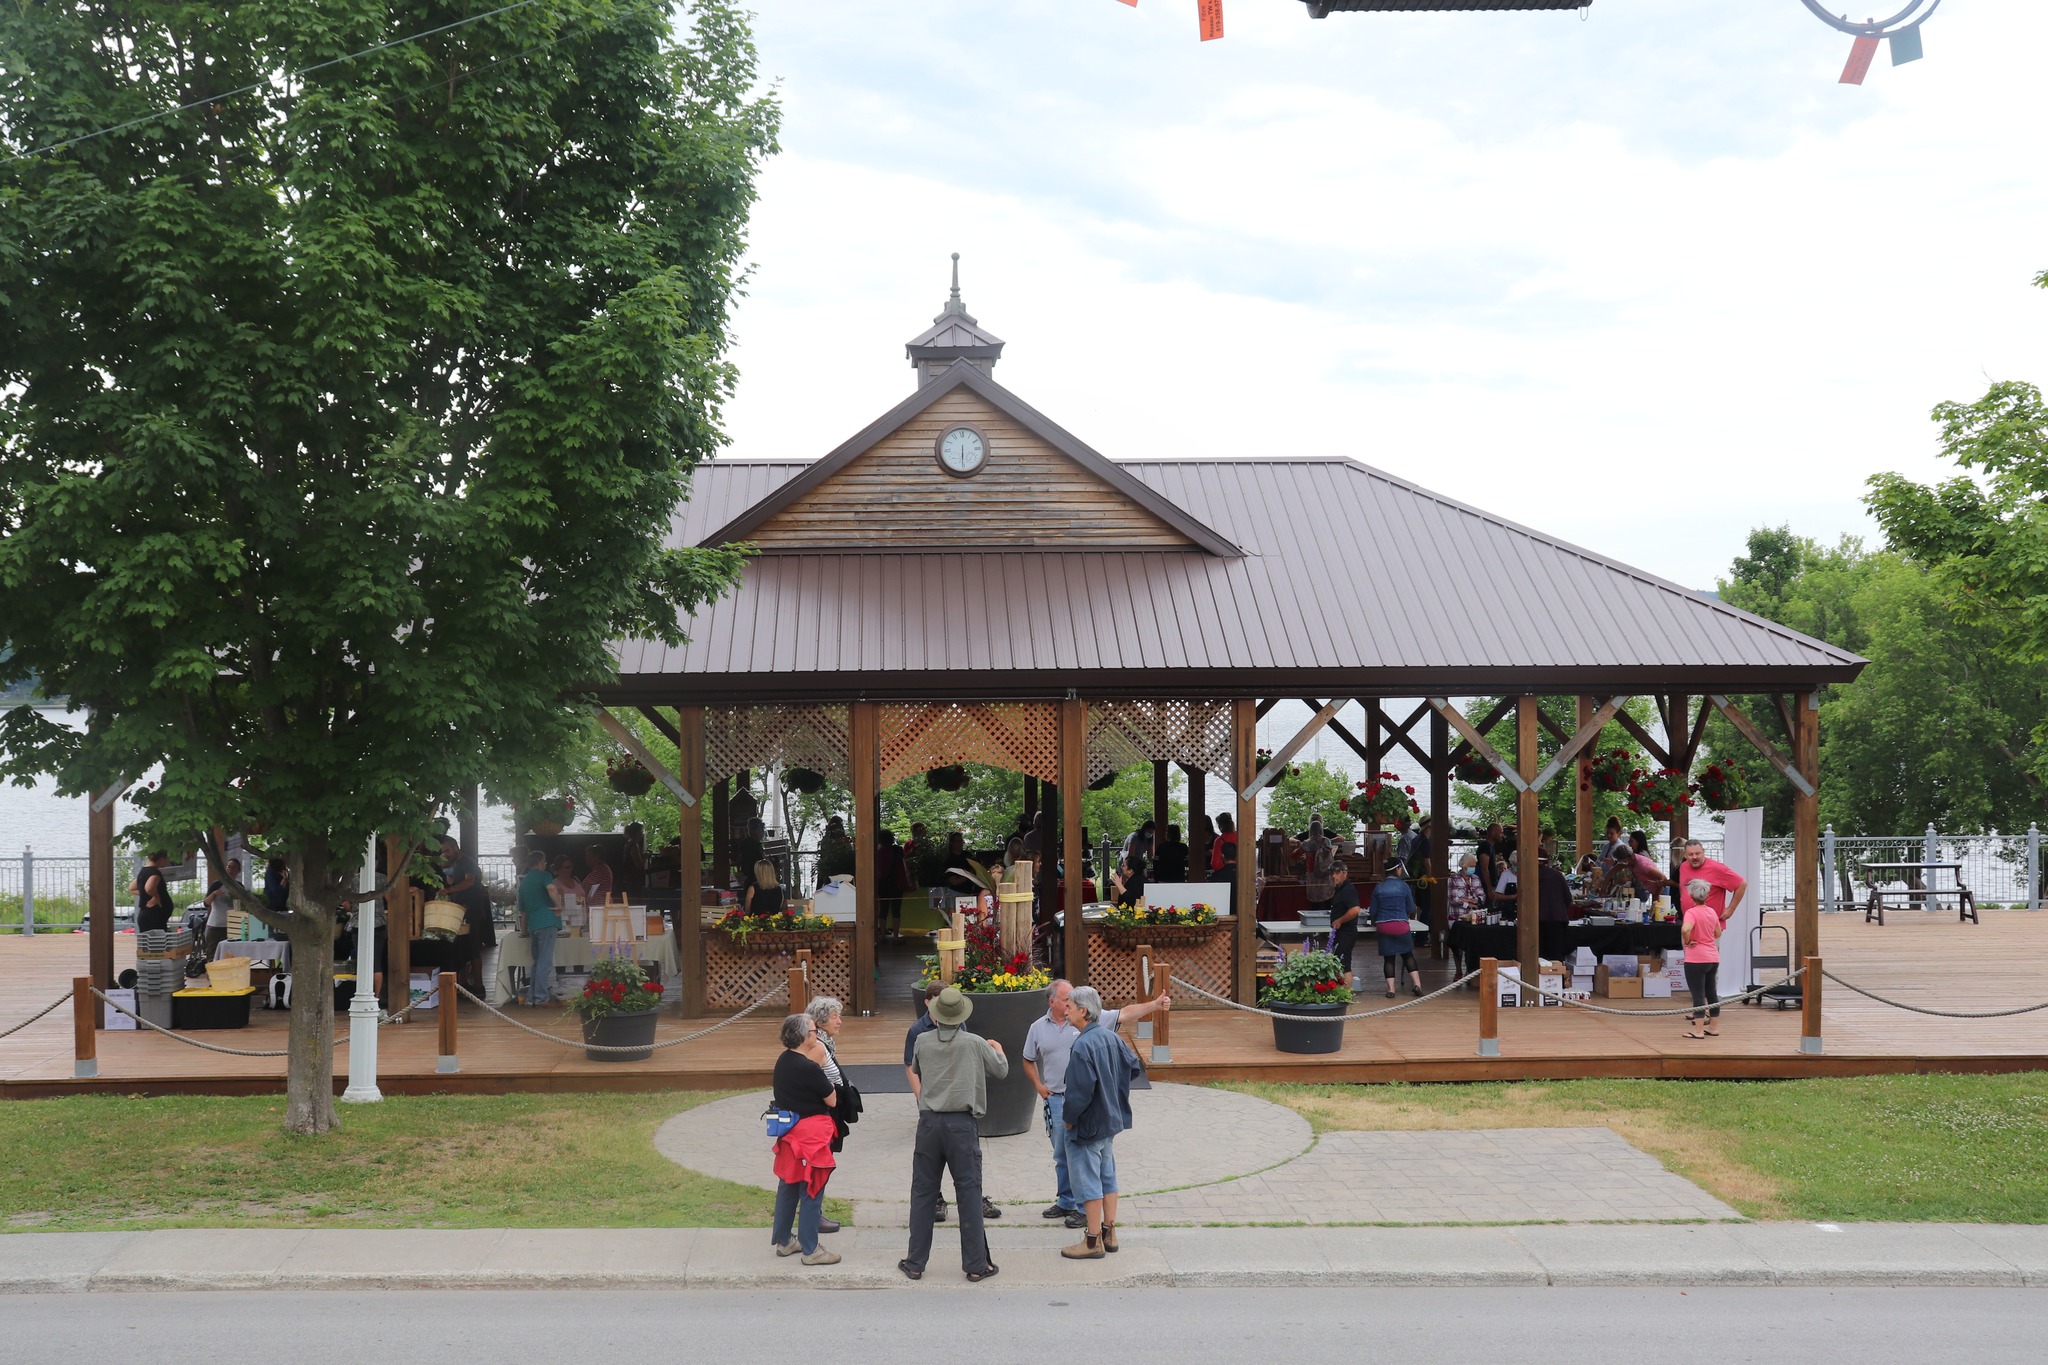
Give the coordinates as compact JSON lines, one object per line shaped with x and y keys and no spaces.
{"x":1645,"y":282}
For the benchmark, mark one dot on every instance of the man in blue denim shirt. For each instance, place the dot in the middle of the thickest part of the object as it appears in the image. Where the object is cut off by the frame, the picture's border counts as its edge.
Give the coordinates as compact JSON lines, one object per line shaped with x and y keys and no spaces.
{"x":1045,"y":1063}
{"x":1100,"y":1069}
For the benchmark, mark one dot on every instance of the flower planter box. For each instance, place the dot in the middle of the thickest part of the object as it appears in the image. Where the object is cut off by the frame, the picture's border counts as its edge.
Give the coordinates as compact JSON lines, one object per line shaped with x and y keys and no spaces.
{"x":634,"y":1030}
{"x":775,"y":943}
{"x":1159,"y":935}
{"x":1309,"y":1028}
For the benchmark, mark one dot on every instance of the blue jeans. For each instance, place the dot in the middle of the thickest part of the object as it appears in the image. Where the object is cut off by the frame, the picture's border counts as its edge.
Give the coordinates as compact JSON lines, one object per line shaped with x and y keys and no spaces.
{"x":1094,"y":1167}
{"x":1056,"y":1129}
{"x":540,"y":990}
{"x":794,"y":1203}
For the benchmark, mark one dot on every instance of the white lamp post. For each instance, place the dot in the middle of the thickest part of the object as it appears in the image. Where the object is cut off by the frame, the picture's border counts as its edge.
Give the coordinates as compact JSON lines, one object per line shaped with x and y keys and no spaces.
{"x":363,"y":1009}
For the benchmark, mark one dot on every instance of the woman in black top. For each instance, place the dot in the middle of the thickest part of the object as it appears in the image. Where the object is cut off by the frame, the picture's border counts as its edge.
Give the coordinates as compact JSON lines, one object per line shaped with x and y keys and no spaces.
{"x":764,"y":896}
{"x":1171,"y":862}
{"x":801,"y":1087}
{"x":1129,"y":882}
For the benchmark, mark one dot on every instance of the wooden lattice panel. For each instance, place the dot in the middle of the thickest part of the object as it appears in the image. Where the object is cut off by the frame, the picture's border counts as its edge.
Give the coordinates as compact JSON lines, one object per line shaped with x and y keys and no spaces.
{"x":1113,"y":970}
{"x":1020,"y":735}
{"x":735,"y":980}
{"x":787,"y":736}
{"x":1196,"y":733}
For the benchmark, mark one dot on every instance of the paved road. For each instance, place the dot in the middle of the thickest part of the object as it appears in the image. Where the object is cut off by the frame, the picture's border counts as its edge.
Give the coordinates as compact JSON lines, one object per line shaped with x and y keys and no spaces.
{"x":1129,"y":1327}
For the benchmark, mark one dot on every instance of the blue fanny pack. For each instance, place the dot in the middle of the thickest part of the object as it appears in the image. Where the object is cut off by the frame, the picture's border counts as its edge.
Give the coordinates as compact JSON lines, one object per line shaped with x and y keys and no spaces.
{"x":779,"y":1121}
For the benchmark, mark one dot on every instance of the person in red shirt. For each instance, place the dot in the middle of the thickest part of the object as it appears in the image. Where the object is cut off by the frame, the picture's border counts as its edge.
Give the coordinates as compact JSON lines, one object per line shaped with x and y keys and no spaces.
{"x":1226,"y":837}
{"x":1725,"y":887}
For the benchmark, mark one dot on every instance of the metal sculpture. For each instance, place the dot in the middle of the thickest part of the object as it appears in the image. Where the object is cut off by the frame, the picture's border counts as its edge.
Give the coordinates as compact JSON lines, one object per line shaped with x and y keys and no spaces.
{"x":1902,"y":31}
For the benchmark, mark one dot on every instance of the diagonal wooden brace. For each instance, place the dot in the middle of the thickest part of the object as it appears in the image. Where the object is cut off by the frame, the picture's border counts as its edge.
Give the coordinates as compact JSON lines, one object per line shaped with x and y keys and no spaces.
{"x":1585,"y":735}
{"x":1278,"y":763}
{"x":1478,"y":742}
{"x":1747,"y":727}
{"x":616,"y":728}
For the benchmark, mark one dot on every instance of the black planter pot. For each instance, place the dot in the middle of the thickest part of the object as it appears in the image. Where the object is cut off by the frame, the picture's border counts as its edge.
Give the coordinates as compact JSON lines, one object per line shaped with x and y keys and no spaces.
{"x":1005,"y":1017}
{"x":634,"y":1030}
{"x":1310,"y":1028}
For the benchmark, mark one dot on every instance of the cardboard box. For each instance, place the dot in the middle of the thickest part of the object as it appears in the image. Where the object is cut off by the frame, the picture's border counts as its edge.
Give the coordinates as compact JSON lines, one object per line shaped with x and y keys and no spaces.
{"x":1614,"y":987}
{"x":1656,"y":988}
{"x":1620,"y":964}
{"x":1512,"y":996}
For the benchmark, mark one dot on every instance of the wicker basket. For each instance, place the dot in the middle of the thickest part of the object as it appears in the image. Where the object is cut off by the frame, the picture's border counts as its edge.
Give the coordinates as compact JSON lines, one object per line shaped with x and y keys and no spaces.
{"x":445,"y":916}
{"x":1159,"y":935}
{"x":228,"y":974}
{"x":773,"y":942}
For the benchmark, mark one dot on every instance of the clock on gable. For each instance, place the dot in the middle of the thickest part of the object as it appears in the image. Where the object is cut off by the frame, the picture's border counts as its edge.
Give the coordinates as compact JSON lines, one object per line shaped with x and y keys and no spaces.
{"x":962,"y":450}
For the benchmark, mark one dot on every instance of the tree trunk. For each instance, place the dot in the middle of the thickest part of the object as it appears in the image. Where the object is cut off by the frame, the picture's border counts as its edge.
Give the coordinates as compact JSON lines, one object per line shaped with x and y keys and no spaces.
{"x":309,"y":1065}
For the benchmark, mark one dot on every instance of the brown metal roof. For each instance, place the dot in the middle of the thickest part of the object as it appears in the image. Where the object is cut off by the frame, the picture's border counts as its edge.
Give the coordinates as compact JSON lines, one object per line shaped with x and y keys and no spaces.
{"x":1350,"y":582}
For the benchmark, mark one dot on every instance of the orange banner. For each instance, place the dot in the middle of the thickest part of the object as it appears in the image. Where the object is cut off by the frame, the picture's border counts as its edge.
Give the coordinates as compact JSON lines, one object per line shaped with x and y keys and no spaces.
{"x":1212,"y":18}
{"x":1860,"y":54}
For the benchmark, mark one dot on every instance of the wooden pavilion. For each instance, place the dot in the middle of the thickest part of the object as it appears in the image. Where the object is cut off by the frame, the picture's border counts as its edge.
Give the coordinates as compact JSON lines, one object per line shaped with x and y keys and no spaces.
{"x":964,"y":580}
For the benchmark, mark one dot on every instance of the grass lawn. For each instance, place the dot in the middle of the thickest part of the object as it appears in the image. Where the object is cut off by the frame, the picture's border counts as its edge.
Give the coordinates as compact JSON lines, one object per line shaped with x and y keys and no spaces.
{"x":1901,"y":1148}
{"x":452,"y":1161}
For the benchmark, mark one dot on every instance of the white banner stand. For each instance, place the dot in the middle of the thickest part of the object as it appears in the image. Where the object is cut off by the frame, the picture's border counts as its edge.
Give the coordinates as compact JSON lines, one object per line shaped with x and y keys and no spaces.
{"x":1742,"y":849}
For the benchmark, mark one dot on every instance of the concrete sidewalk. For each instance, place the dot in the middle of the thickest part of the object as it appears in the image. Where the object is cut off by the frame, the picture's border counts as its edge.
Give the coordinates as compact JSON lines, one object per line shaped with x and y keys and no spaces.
{"x":1917,"y":1254}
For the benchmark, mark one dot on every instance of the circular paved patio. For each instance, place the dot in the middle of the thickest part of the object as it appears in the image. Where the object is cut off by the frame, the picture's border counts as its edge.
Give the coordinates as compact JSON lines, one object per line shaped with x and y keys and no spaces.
{"x":1182,"y":1135}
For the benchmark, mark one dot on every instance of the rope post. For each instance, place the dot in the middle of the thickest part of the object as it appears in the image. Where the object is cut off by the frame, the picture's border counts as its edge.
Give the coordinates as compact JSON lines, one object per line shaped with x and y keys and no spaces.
{"x":800,"y":982}
{"x":446,"y":1064}
{"x":1162,"y":1022}
{"x":85,"y":1020}
{"x":1489,"y":1007}
{"x":1809,"y":1010}
{"x":1143,"y":953}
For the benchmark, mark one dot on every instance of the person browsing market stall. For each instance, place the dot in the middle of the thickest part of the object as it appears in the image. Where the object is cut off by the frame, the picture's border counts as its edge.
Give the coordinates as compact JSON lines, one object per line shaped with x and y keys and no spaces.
{"x":1047,"y":1046}
{"x":1344,"y":915}
{"x":1725,"y":886}
{"x":1393,"y":922}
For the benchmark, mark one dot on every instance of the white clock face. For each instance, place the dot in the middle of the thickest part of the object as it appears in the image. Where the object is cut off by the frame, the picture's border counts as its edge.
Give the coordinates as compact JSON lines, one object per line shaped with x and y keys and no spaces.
{"x":962,"y":450}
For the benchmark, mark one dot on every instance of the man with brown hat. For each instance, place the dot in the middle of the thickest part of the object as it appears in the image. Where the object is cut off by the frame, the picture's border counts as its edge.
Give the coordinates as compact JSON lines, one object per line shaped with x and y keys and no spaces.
{"x":952,"y":1067}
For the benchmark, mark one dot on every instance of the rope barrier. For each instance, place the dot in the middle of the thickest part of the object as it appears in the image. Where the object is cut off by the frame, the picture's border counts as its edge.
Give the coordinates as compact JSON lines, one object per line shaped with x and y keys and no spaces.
{"x":605,"y":1047}
{"x":1180,"y":985}
{"x":1653,"y":1014}
{"x":37,"y":1015}
{"x":1939,"y":1014}
{"x":118,"y":1007}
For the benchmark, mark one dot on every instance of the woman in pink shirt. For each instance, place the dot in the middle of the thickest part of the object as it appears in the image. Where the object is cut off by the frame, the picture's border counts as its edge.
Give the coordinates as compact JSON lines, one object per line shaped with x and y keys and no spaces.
{"x":1701,"y":935}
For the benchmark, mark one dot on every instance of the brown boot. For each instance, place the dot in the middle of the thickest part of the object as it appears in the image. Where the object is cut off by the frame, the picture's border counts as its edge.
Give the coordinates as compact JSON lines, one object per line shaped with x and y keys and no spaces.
{"x":1109,"y":1237}
{"x":1089,"y":1248}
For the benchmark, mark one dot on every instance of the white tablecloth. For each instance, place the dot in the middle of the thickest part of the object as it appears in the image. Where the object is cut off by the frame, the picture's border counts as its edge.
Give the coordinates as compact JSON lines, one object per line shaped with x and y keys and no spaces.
{"x":275,"y":950}
{"x":516,"y":950}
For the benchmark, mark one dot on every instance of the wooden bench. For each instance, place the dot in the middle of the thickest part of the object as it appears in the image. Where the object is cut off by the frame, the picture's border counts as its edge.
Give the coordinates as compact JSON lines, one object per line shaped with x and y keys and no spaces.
{"x":1927,"y":896}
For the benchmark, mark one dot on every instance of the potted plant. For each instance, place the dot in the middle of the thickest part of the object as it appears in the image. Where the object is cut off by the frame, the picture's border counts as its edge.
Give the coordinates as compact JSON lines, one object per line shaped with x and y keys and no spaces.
{"x":546,"y":816}
{"x":1474,"y":770}
{"x":1381,"y":801}
{"x":1724,"y":786}
{"x":628,"y":776}
{"x":803,"y":781}
{"x":1009,"y":993}
{"x":1308,"y":990}
{"x":1161,"y":926}
{"x":1612,"y":769}
{"x":784,"y":932}
{"x":618,"y":1007}
{"x":1658,"y":794}
{"x":950,"y":778}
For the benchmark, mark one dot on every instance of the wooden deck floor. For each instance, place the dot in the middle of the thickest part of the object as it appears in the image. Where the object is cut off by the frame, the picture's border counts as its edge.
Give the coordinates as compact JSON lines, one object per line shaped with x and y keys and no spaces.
{"x":1928,"y":959}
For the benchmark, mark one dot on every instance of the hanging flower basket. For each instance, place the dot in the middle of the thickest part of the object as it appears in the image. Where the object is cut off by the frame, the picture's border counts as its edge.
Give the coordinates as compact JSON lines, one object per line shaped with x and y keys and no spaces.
{"x":1612,"y":769}
{"x":1658,"y":794}
{"x":1104,"y":782}
{"x":547,"y":816}
{"x":947,"y":779}
{"x":1725,"y":786}
{"x":1382,"y":800}
{"x":629,"y":777}
{"x":1475,"y":771}
{"x":803,"y":781}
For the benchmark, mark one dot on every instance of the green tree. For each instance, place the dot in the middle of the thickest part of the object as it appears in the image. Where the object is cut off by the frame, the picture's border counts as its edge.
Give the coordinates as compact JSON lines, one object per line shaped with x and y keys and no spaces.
{"x":342,"y":414}
{"x":1308,"y":790}
{"x":1557,"y":804}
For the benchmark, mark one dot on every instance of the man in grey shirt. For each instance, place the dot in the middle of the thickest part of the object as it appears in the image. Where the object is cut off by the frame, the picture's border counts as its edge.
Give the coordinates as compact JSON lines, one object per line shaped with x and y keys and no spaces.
{"x":952,"y":1069}
{"x":1046,"y":1048}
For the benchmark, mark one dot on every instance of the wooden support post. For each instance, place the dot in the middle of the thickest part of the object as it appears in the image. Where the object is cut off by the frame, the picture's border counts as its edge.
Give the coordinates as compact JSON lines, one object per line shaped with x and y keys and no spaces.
{"x":799,"y":983}
{"x":721,"y":833}
{"x":1806,"y":830}
{"x":1676,"y":713}
{"x":865,"y":751}
{"x":1073,"y":783}
{"x":952,"y":945}
{"x":1244,"y":753}
{"x":1527,"y":841}
{"x":1030,"y":797}
{"x":85,"y":1020}
{"x":1162,"y":804}
{"x":100,"y":902}
{"x":1440,"y":834}
{"x":1162,"y":1031}
{"x":446,"y":1064}
{"x":1198,"y":806}
{"x":1809,"y":1008}
{"x":1375,"y":744}
{"x":1582,"y":804}
{"x":1489,"y":1007}
{"x":689,"y":925}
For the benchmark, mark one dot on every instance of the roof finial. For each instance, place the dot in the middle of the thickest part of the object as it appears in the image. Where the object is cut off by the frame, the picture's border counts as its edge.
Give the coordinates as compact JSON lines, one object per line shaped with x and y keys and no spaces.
{"x":954,"y":307}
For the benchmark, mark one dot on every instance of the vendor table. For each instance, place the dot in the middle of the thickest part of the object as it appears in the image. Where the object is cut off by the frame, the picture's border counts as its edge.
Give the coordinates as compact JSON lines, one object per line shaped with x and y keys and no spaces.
{"x":1928,"y":896}
{"x":516,"y":950}
{"x":1474,"y":941}
{"x":275,"y":950}
{"x":1294,"y":928}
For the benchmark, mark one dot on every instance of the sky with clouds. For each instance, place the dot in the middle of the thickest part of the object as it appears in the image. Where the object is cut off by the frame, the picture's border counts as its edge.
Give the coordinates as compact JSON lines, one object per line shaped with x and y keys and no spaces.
{"x":1645,"y":279}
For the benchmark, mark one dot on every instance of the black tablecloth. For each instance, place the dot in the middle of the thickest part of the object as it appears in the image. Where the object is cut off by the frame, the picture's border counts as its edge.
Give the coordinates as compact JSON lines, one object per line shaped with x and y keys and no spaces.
{"x":1474,"y":941}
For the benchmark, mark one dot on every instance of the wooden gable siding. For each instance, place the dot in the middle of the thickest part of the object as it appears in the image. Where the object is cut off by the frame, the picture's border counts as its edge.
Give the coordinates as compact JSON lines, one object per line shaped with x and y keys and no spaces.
{"x":1028,"y":493}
